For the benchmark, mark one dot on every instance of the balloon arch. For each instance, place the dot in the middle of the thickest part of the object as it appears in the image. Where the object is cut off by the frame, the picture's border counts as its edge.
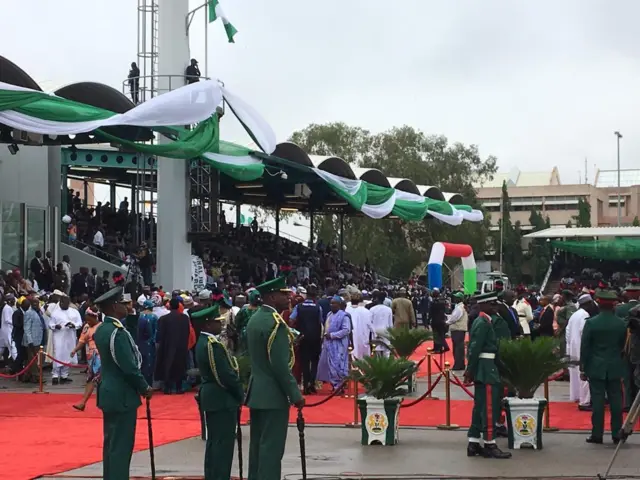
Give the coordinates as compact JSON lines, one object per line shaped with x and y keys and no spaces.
{"x":465,"y":252}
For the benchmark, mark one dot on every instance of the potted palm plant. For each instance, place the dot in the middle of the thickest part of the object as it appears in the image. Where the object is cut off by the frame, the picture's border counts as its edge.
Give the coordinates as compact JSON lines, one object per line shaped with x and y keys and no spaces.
{"x":524,"y":365}
{"x":403,"y":342}
{"x":383,"y":379}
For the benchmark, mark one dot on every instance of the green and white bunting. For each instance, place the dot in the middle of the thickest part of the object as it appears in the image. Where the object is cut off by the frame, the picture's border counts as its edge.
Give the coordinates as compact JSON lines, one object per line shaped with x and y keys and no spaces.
{"x":215,"y":12}
{"x":41,"y":113}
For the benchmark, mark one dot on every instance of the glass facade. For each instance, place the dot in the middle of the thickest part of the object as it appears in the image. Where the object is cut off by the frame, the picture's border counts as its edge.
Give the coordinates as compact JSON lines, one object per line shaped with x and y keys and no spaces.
{"x":23,"y":230}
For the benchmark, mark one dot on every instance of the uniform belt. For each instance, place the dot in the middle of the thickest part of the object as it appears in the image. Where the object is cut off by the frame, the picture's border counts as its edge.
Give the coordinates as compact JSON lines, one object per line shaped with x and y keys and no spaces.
{"x":490,"y":356}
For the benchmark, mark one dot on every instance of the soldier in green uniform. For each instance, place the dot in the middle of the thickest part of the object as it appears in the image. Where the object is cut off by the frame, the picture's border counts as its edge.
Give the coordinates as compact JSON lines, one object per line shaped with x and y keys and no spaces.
{"x":272,"y":387}
{"x":482,"y":371}
{"x":568,"y":308}
{"x":120,"y":387}
{"x":220,"y":395}
{"x":602,"y":363}
{"x":622,"y":310}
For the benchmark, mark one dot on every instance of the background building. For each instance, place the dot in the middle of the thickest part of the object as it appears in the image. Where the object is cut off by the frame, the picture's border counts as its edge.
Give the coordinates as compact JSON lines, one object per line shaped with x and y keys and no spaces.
{"x":545,"y":192}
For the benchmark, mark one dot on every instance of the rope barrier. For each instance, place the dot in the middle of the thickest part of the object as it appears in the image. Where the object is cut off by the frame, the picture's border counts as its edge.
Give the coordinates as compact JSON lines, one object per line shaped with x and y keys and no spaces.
{"x":329,"y":397}
{"x":21,"y":372}
{"x":64,"y":364}
{"x":424,"y":395}
{"x":459,"y":383}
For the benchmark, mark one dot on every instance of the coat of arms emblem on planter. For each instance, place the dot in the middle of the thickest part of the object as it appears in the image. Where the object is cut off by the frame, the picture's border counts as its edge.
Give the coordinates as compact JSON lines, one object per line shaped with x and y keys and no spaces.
{"x":377,"y":423}
{"x":525,"y":425}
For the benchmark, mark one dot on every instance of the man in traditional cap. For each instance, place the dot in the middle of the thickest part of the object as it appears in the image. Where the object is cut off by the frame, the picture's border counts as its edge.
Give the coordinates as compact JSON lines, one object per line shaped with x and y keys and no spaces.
{"x":220,"y":394}
{"x":482,"y":371}
{"x":120,"y":387}
{"x":272,"y":387}
{"x":568,"y":308}
{"x":601,"y":362}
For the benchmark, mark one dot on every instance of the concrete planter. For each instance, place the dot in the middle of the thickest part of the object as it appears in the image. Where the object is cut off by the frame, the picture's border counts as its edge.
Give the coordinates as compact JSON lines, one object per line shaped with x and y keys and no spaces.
{"x":524,"y":421}
{"x":379,"y":420}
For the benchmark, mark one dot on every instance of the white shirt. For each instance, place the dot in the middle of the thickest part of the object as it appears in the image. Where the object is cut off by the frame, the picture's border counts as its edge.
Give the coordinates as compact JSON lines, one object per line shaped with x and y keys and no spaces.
{"x":382,"y":319}
{"x":458,"y":318}
{"x":362,"y":324}
{"x":98,"y":239}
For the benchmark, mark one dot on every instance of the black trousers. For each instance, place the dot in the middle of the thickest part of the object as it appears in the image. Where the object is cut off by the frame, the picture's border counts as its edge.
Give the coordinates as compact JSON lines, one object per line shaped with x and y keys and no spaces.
{"x":457,"y":338}
{"x":309,"y":351}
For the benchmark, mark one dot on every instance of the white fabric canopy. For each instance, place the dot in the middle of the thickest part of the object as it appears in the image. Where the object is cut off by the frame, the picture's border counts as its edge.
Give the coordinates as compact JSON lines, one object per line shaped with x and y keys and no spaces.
{"x":184,"y":106}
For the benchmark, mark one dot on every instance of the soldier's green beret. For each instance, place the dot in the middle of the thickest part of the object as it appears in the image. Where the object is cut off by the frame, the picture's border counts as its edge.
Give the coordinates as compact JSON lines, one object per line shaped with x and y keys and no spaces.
{"x":115,"y":295}
{"x":278,"y":284}
{"x":209,"y":313}
{"x":606,"y":295}
{"x":486,"y":297}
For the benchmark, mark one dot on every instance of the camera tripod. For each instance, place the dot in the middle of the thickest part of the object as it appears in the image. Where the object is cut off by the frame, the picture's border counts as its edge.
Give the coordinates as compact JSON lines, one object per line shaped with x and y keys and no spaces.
{"x":625,"y":431}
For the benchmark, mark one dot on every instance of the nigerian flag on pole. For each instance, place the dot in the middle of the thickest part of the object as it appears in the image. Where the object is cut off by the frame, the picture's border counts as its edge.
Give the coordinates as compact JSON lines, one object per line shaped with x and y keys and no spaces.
{"x":215,"y":12}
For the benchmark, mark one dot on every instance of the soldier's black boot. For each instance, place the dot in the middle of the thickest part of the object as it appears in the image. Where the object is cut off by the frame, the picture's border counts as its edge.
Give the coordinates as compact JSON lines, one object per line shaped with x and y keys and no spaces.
{"x":491,"y":450}
{"x":592,"y":439}
{"x":473,"y":449}
{"x":501,"y":431}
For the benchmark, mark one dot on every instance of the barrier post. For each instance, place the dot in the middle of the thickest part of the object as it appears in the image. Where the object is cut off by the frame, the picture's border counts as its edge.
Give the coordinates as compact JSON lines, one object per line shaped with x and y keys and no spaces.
{"x":40,"y":373}
{"x":447,"y":398}
{"x":547,"y":421}
{"x":355,"y":422}
{"x":349,"y":385}
{"x":429,"y":374}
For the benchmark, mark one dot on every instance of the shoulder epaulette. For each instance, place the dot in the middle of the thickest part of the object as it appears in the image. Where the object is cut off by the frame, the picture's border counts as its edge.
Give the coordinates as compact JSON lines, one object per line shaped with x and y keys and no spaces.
{"x":118,"y":324}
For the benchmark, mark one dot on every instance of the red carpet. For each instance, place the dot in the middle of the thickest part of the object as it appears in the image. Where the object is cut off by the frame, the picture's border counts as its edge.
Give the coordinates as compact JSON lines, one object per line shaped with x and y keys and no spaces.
{"x":42,"y":434}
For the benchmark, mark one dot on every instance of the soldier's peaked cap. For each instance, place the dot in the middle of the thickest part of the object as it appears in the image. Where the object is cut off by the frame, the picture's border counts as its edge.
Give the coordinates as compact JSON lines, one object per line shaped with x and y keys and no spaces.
{"x":606,"y":295}
{"x":486,"y":297}
{"x":276,"y":285}
{"x":112,"y":296}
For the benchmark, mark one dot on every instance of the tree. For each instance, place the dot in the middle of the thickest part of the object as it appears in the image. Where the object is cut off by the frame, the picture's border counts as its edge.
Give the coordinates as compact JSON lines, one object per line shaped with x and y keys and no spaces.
{"x":395,"y":247}
{"x":508,"y":238}
{"x":583,"y":219}
{"x":636,"y":222}
{"x":539,"y":253}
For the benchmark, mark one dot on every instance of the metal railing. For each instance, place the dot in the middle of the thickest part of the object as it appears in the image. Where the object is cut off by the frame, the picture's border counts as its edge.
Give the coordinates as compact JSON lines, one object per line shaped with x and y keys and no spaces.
{"x":147,"y":89}
{"x":547,"y":276}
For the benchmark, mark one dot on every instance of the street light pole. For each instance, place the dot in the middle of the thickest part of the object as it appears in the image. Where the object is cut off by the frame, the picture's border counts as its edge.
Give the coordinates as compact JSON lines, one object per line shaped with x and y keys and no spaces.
{"x":618,"y":137}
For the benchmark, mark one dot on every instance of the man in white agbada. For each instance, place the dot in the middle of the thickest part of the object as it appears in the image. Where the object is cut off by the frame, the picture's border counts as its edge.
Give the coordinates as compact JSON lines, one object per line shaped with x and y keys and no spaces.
{"x":578,"y":389}
{"x":382,"y":318}
{"x":6,"y":327}
{"x":362,"y":322}
{"x":64,"y":322}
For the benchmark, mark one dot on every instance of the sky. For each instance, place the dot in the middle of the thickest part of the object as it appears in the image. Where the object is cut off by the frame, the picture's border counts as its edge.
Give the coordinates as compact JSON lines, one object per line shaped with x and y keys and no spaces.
{"x":537,"y":84}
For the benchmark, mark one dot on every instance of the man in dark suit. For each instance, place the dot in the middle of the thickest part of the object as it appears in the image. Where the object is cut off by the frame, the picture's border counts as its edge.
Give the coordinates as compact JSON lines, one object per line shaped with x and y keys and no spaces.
{"x":172,"y":342}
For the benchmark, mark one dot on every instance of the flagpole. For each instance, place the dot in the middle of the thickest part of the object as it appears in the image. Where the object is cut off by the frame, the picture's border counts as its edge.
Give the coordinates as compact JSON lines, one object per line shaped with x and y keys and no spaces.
{"x":501,"y":229}
{"x":206,"y":39}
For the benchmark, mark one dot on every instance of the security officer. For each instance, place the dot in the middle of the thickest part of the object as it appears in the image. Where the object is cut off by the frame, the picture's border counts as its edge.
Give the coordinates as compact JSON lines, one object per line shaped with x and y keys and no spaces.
{"x":308,"y":318}
{"x":482,"y":371}
{"x":121,"y":385}
{"x":272,"y":387}
{"x":602,"y":363}
{"x":220,"y":395}
{"x":623,"y":311}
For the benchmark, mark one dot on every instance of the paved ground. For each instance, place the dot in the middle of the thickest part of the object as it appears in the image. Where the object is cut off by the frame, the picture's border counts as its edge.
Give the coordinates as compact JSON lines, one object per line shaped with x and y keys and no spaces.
{"x":335,"y":450}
